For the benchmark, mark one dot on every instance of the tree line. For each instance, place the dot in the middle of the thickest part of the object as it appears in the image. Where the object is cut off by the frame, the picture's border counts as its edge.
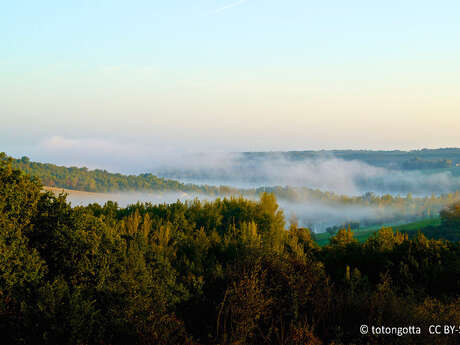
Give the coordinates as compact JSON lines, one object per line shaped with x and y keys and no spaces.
{"x":228,"y":271}
{"x":390,"y":208}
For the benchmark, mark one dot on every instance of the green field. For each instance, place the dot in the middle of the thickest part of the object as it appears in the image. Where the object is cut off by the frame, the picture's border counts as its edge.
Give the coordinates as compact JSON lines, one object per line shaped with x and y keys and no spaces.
{"x":363,"y":234}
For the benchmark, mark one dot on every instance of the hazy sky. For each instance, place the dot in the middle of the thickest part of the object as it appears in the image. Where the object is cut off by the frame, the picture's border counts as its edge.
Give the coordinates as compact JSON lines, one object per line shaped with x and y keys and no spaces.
{"x":81,"y":79}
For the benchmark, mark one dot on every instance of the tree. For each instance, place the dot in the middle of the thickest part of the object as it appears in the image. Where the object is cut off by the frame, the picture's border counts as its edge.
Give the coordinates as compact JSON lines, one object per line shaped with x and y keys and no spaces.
{"x":343,"y":238}
{"x":450,"y":216}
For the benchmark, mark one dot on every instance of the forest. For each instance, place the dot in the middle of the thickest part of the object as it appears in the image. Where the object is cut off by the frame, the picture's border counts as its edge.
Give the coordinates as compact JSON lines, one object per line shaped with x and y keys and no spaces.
{"x":370,"y":208}
{"x":226,"y":271}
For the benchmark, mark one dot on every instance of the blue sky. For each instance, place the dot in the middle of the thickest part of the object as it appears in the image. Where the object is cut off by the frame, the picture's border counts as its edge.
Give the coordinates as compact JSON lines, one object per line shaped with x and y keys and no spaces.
{"x":227,"y":75}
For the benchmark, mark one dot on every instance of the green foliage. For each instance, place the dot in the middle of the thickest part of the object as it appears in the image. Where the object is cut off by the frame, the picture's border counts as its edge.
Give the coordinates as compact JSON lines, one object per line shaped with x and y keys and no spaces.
{"x":450,"y":217}
{"x":343,"y":238}
{"x":399,"y":208}
{"x":200,"y":272}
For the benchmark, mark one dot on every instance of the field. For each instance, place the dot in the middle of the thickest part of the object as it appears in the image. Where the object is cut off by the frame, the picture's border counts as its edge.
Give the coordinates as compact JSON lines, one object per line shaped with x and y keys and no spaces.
{"x":71,"y":192}
{"x":363,"y":234}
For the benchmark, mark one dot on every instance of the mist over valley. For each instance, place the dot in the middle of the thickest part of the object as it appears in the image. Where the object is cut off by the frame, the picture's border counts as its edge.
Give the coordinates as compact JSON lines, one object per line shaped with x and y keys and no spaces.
{"x":318,"y":190}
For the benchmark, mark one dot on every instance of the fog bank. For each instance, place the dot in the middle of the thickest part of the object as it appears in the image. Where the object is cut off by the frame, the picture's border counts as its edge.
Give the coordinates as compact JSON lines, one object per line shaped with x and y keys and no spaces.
{"x":327,"y":173}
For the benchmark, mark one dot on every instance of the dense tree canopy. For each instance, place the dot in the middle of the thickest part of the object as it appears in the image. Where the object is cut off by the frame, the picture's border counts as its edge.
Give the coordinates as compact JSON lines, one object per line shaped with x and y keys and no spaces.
{"x":220,"y":272}
{"x":451,"y":216}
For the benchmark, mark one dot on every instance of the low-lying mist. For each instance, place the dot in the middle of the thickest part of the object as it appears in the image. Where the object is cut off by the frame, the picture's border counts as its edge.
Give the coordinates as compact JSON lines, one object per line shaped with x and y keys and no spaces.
{"x":327,"y":173}
{"x":316,"y":214}
{"x":359,"y":182}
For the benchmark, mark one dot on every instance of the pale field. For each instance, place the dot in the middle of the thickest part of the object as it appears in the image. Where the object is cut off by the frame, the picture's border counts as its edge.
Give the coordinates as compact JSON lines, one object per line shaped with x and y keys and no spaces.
{"x":82,"y":198}
{"x":71,"y":192}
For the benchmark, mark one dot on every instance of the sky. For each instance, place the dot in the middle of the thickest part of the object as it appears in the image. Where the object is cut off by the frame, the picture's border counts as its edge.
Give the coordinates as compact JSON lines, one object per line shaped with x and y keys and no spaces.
{"x":103,"y":81}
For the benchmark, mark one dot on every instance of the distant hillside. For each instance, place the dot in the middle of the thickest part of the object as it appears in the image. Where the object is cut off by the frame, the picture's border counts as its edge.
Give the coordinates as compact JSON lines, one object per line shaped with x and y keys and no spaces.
{"x":425,"y":158}
{"x":101,"y":180}
{"x":104,"y":181}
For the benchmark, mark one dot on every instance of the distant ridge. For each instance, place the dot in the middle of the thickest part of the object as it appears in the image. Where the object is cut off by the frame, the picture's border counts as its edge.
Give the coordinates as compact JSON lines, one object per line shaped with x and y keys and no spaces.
{"x":83,"y":179}
{"x":381,"y":158}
